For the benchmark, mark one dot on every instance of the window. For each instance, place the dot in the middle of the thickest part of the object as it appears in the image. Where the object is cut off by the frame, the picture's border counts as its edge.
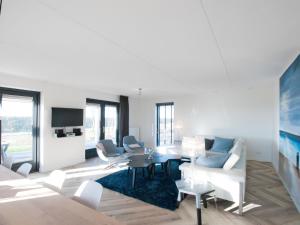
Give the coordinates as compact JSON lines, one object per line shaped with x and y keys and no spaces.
{"x":92,"y":125}
{"x":19,"y":126}
{"x":101,"y":122}
{"x":165,"y":123}
{"x":111,"y":123}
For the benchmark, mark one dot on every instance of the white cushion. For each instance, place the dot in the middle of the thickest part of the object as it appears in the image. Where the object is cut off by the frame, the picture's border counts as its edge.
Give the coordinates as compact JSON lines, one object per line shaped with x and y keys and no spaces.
{"x":234,"y":157}
{"x":134,"y":146}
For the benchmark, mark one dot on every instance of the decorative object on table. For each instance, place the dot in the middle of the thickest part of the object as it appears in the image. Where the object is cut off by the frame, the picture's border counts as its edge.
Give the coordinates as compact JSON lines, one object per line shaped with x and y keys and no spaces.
{"x":200,"y":191}
{"x":160,"y":191}
{"x":150,"y":153}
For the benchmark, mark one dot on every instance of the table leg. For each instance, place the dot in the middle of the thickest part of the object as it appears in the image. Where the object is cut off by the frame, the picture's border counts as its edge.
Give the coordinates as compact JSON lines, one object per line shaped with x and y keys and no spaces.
{"x":198,"y":206}
{"x":166,"y":168}
{"x":153,"y":170}
{"x":149,"y":169}
{"x":199,"y":219}
{"x":179,"y":199}
{"x":133,"y":177}
{"x":204,"y":200}
{"x":169,"y":167}
{"x":241,"y":200}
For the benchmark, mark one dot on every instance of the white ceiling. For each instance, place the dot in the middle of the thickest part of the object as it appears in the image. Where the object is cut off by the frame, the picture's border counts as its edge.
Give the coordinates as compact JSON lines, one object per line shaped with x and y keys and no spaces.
{"x":162,"y":46}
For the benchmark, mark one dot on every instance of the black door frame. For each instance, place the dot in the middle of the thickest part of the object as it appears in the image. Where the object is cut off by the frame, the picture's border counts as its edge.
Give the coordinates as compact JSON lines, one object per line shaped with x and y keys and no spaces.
{"x":102,"y":104}
{"x":36,"y":123}
{"x":158,"y":105}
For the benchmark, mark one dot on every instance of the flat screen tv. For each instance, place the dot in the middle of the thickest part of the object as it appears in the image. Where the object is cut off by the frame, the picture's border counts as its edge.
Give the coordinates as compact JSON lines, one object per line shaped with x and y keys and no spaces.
{"x":67,"y":117}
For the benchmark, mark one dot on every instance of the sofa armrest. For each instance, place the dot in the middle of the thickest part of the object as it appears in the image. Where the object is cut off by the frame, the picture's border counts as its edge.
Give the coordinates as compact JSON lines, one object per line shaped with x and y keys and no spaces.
{"x":234,"y":174}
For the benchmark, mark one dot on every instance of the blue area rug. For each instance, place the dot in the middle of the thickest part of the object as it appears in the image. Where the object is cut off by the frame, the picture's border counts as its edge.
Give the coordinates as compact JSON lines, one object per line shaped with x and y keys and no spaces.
{"x":161,"y":190}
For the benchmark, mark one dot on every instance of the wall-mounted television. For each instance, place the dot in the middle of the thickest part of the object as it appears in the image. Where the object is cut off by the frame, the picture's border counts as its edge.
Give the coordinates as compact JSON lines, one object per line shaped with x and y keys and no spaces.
{"x":67,"y":117}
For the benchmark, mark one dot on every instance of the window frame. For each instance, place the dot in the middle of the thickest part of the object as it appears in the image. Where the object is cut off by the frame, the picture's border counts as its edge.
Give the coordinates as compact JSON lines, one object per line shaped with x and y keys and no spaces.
{"x":158,"y":105}
{"x":102,"y":104}
{"x":36,"y":123}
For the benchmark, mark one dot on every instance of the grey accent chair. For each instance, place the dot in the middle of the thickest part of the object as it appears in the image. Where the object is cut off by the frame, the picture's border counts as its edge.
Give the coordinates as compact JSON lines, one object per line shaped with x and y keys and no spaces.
{"x":108,"y":152}
{"x":128,"y":141}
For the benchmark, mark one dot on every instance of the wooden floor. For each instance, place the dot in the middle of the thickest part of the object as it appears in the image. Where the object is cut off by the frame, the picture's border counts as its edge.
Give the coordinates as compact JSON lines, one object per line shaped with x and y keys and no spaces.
{"x":267,"y":202}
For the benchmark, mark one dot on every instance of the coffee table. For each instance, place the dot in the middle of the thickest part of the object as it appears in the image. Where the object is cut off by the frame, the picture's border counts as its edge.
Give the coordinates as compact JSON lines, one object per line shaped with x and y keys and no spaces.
{"x":165,"y":160}
{"x":136,"y":162}
{"x":143,"y":161}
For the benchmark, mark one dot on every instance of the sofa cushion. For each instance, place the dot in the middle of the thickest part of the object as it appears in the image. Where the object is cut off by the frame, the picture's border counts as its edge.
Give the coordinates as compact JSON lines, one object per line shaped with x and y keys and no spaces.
{"x":213,"y":160}
{"x":208,"y":143}
{"x":222,"y":144}
{"x":234,"y":157}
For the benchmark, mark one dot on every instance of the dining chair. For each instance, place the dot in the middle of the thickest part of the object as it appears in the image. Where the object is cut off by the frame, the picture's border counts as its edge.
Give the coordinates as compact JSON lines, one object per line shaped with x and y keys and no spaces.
{"x":89,"y":193}
{"x":8,"y":162}
{"x":24,"y":169}
{"x":56,"y":180}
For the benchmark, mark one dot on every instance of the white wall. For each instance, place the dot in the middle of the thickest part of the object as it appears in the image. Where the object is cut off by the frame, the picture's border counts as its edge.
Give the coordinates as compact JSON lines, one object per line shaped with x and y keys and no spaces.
{"x":56,"y":153}
{"x":240,"y":113}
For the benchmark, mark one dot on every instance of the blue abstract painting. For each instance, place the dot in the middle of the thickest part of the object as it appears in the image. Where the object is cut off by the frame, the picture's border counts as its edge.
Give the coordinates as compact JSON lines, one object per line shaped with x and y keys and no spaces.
{"x":290,"y":113}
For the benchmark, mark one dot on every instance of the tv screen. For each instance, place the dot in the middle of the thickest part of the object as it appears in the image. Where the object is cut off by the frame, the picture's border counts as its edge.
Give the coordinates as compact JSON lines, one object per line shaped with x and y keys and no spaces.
{"x":66,"y":117}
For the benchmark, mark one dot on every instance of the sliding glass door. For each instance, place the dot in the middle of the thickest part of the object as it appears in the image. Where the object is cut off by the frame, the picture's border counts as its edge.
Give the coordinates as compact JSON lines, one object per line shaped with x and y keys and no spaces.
{"x":111,"y":123}
{"x":101,"y":122}
{"x":92,"y":125}
{"x":19,"y":126}
{"x":165,"y":124}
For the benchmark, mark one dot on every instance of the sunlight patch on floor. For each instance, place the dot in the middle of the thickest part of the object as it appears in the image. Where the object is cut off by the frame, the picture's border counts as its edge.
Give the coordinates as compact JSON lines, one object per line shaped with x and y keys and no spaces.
{"x":248,"y":207}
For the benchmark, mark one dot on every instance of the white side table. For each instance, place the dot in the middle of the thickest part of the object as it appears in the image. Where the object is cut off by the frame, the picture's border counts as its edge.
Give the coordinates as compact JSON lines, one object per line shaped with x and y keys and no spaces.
{"x":201,"y":192}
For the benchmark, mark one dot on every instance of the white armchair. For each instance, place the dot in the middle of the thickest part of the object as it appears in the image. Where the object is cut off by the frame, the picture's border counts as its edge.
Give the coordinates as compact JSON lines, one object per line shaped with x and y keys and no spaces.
{"x":229,"y":183}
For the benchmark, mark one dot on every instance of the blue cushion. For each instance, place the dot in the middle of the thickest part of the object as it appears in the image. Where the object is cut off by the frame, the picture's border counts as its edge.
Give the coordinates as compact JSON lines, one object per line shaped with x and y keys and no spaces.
{"x":222,"y":144}
{"x":213,"y":161}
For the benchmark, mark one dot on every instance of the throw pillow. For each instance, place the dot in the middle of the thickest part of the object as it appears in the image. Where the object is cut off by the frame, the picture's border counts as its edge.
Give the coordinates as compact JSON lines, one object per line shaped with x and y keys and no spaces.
{"x":222,"y":144}
{"x":215,"y":161}
{"x":208,"y":143}
{"x":134,"y":146}
{"x":234,"y":157}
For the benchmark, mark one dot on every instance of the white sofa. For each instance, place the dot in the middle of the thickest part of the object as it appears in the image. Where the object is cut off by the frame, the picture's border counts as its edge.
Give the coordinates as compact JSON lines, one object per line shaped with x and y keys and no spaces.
{"x":229,"y":183}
